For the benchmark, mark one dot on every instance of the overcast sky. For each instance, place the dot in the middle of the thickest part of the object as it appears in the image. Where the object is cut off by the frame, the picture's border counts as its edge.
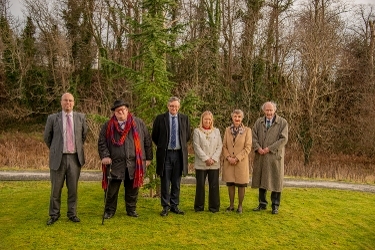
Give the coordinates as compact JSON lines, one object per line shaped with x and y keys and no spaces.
{"x":16,"y":5}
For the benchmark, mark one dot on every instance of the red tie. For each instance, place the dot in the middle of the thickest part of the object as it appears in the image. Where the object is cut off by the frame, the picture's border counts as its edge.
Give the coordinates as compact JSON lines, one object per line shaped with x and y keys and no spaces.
{"x":69,"y":135}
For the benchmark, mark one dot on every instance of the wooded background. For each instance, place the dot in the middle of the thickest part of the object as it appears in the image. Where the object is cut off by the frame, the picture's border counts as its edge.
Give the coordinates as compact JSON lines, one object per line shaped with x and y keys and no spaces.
{"x":314,"y":58}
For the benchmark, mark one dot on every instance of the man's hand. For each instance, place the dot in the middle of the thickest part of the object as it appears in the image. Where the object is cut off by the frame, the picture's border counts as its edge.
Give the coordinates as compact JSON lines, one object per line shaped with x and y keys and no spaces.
{"x":148,"y":163}
{"x":106,"y":161}
{"x":263,"y":151}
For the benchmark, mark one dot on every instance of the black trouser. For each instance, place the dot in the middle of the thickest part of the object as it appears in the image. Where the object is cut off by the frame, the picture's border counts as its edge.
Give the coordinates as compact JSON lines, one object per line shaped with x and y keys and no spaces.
{"x":171,"y":180}
{"x":131,"y":194}
{"x":213,"y":190}
{"x":275,"y":198}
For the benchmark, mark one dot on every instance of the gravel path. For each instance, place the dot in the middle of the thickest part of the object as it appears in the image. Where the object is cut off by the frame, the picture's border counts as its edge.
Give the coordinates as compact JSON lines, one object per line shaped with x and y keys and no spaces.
{"x":97,"y":176}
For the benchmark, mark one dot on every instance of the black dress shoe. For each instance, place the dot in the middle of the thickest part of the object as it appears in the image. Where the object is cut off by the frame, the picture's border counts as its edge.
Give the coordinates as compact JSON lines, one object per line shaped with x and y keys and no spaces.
{"x":230,"y":209}
{"x":52,"y":220}
{"x":108,"y":215}
{"x":164,"y":212}
{"x":132,"y":214}
{"x":259,"y":208}
{"x":74,"y":219}
{"x":176,"y":210}
{"x":275,"y":211}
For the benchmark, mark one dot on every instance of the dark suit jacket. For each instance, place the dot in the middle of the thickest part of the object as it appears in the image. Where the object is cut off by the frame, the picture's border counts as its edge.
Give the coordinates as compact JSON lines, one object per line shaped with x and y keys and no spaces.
{"x":54,"y":137}
{"x":160,"y":136}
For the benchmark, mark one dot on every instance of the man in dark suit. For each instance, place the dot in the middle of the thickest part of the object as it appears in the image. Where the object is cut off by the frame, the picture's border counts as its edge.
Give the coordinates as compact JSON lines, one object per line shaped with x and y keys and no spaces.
{"x":170,"y":133}
{"x":65,"y":134}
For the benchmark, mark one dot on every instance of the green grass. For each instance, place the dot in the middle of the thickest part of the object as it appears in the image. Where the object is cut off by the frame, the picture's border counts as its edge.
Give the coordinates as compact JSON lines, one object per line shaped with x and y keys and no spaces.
{"x":308,"y":219}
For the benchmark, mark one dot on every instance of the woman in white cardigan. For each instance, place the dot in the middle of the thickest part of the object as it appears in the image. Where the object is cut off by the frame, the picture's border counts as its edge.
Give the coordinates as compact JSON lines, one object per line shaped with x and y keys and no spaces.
{"x":207,"y":148}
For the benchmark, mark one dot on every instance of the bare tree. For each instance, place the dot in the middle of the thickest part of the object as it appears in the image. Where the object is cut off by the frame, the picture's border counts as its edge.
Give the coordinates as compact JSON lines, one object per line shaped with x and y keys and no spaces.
{"x":318,"y":45}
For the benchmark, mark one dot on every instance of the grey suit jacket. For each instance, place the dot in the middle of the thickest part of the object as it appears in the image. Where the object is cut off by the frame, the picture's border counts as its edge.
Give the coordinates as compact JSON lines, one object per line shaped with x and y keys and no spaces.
{"x":54,"y":138}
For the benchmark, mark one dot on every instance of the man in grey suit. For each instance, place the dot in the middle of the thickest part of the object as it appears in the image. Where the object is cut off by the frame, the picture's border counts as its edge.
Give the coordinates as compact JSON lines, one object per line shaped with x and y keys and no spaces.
{"x":65,"y":134}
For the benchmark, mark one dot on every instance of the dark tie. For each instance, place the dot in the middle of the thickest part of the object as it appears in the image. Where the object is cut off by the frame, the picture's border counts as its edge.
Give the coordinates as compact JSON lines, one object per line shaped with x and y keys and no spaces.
{"x":69,"y":135}
{"x":268,"y":124}
{"x":173,"y":133}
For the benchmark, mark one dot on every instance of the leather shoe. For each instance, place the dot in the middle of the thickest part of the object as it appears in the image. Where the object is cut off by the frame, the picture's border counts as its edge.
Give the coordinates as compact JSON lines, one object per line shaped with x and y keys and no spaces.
{"x":132,"y":214}
{"x":259,"y":208}
{"x":164,"y":212}
{"x":108,"y":216}
{"x":74,"y":219}
{"x":230,"y":209}
{"x":52,"y":220}
{"x":176,"y":210}
{"x":275,"y":211}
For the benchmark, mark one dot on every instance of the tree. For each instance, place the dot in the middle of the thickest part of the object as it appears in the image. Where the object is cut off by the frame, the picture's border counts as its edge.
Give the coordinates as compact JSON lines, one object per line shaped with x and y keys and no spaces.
{"x":318,"y":46}
{"x":151,"y":82}
{"x":11,"y":87}
{"x":356,"y":86}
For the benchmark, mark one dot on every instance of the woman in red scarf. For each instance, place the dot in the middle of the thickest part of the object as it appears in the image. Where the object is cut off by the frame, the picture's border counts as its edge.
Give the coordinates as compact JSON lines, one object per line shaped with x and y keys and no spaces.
{"x":125,"y":148}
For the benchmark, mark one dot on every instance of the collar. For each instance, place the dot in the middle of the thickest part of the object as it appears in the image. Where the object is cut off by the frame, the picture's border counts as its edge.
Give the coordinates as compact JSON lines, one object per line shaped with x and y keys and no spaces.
{"x":65,"y":114}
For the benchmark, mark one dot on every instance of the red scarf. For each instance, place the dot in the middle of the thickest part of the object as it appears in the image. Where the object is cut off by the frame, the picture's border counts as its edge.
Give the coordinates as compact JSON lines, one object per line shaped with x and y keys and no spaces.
{"x":113,"y":125}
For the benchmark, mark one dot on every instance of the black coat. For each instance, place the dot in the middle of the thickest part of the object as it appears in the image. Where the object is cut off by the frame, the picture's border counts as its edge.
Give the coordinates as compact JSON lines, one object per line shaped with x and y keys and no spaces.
{"x":160,"y":136}
{"x":124,"y":156}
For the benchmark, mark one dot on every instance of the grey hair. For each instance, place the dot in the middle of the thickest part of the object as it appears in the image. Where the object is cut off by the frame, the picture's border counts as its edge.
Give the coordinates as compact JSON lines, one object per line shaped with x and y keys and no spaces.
{"x":237,"y":111}
{"x":173,"y":99}
{"x":273,"y":104}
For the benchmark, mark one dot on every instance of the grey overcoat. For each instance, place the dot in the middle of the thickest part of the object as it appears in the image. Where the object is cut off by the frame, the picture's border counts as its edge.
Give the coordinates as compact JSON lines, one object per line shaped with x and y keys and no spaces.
{"x":268,"y":169}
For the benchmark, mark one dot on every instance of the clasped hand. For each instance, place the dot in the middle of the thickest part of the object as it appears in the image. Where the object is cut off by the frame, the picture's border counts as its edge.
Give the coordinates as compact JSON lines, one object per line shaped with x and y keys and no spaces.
{"x":263,"y":151}
{"x":209,"y":162}
{"x":232,"y":160}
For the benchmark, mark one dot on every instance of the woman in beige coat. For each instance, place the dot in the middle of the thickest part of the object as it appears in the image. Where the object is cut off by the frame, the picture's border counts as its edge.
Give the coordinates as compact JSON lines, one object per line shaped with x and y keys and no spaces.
{"x":207,"y":148}
{"x":236,"y":148}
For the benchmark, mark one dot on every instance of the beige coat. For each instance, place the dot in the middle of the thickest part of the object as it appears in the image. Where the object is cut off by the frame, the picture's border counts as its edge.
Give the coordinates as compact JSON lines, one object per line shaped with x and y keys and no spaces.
{"x":241,"y":148}
{"x":268,"y":169}
{"x":207,"y":146}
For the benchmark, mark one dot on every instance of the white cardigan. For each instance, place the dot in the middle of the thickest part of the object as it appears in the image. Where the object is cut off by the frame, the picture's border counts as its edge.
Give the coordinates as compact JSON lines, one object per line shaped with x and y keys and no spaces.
{"x":207,"y":146}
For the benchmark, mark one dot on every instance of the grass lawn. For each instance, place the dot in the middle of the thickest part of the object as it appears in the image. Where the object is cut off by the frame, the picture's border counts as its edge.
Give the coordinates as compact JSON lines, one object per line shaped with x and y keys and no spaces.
{"x":308,"y":219}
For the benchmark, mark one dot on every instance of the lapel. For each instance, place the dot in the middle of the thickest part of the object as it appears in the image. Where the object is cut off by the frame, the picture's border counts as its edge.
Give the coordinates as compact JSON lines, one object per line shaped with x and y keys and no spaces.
{"x":60,"y":122}
{"x":178,"y":124}
{"x":166,"y":122}
{"x":75,"y":122}
{"x":237,"y":137}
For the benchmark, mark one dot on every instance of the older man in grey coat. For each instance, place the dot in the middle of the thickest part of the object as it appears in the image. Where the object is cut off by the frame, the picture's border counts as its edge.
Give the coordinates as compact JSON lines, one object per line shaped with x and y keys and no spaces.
{"x":270,"y":135}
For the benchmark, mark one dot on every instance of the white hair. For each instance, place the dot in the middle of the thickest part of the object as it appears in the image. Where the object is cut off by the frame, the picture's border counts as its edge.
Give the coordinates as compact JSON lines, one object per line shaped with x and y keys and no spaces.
{"x":273,"y":104}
